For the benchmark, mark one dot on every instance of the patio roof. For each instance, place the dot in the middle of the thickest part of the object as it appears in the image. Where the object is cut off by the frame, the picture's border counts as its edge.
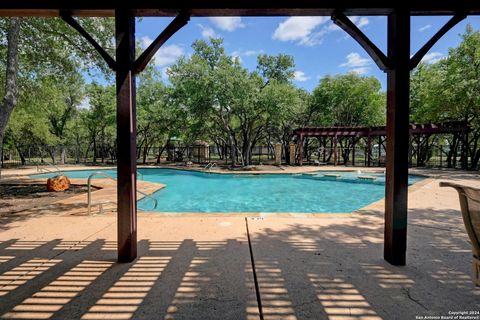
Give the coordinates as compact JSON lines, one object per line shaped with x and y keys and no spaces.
{"x":235,"y":8}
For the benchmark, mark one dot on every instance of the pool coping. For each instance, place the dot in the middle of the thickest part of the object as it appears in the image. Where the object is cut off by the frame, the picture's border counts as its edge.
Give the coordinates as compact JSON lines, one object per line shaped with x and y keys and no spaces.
{"x":158,"y":186}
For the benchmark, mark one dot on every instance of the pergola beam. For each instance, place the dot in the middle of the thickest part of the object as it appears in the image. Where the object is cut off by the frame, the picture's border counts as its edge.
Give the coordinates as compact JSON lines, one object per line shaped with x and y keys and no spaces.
{"x":67,"y":17}
{"x":415,"y":60}
{"x":180,"y":20}
{"x":373,"y":51}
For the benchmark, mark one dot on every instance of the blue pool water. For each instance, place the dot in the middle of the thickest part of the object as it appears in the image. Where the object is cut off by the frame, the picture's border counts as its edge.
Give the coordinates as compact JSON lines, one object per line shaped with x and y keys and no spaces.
{"x":189,"y":191}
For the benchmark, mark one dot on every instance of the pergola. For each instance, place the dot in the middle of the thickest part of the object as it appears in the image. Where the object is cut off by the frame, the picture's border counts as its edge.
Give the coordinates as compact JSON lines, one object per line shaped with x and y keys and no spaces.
{"x":397,"y":63}
{"x":453,"y":127}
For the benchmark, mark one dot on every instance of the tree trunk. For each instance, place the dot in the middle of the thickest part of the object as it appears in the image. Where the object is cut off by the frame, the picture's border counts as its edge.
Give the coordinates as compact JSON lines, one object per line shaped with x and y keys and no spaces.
{"x":145,"y":154}
{"x":233,"y":150}
{"x":63,"y":155}
{"x":161,"y":151}
{"x":94,"y":150}
{"x":10,"y":97}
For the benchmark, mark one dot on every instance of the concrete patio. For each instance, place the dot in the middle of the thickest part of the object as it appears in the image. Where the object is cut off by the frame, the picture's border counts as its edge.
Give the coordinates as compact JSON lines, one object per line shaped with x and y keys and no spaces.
{"x":199,"y":267}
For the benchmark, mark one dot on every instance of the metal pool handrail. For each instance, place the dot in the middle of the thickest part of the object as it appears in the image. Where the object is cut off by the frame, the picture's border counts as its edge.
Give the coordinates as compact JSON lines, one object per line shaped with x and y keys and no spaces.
{"x":42,"y":169}
{"x":210,"y":165}
{"x":106,"y":175}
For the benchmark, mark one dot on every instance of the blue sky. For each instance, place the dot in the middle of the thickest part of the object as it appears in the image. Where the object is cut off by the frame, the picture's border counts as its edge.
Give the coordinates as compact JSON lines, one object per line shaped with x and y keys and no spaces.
{"x":317,"y":45}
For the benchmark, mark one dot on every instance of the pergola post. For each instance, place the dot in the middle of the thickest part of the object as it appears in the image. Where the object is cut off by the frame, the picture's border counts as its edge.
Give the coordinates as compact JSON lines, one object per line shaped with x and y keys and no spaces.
{"x":300,"y":151}
{"x":398,"y":77}
{"x":126,"y":136}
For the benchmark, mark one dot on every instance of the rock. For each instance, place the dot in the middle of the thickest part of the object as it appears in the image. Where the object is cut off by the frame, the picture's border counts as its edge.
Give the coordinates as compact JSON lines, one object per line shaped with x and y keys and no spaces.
{"x":58,"y":183}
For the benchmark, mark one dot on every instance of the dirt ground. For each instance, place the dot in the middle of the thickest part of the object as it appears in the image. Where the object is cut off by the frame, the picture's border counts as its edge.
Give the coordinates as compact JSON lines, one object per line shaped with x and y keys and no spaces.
{"x":17,"y":197}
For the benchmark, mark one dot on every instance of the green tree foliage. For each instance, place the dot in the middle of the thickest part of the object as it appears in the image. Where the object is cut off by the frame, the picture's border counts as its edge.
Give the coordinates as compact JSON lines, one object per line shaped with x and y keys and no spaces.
{"x":449,"y":90}
{"x":222,"y":96}
{"x":347,"y":100}
{"x":100,"y":119}
{"x":39,"y":48}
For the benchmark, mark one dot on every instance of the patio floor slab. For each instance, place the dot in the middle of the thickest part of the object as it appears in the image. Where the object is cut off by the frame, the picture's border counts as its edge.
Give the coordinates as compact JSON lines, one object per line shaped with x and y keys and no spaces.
{"x":199,"y":267}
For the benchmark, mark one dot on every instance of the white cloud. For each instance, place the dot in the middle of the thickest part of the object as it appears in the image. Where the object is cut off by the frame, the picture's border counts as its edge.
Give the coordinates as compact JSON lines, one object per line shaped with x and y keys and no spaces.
{"x":164,"y":73}
{"x":236,"y":55}
{"x":433,"y":57}
{"x":207,"y":32}
{"x":166,"y":55}
{"x":425,"y":27}
{"x":361,"y":70}
{"x":359,"y":21}
{"x":85,"y":103}
{"x":249,"y":53}
{"x":356,"y":63}
{"x":354,"y":60}
{"x":300,"y":76}
{"x":245,"y":53}
{"x":301,"y":30}
{"x":145,"y":42}
{"x":227,"y":23}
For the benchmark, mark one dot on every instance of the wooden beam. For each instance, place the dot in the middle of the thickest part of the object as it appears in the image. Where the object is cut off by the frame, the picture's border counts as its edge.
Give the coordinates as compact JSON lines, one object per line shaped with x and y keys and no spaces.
{"x":396,"y":187}
{"x":126,"y":136}
{"x":67,"y":17}
{"x":180,"y":20}
{"x":234,"y":8}
{"x":417,"y":57}
{"x":373,"y":51}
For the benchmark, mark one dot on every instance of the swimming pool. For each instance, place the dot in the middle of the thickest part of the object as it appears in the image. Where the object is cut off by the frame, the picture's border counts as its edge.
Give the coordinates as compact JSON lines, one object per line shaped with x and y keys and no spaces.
{"x":189,"y":191}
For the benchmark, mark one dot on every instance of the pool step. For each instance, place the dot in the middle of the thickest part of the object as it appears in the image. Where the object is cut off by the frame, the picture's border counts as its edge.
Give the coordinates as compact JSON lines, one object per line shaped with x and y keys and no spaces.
{"x":367,"y":178}
{"x":332,"y":175}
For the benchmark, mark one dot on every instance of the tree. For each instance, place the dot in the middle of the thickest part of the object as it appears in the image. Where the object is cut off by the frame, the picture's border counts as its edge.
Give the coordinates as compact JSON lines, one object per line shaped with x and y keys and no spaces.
{"x":226,"y":98}
{"x":286,"y":107}
{"x":39,"y":46}
{"x":158,"y":119}
{"x":100,"y":119}
{"x":347,"y":100}
{"x":449,"y":90}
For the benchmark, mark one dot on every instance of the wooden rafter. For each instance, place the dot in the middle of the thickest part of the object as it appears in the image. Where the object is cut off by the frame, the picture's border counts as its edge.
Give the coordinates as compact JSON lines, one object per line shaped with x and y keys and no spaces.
{"x":180,"y":20}
{"x":373,"y":51}
{"x":417,"y":57}
{"x":67,"y":17}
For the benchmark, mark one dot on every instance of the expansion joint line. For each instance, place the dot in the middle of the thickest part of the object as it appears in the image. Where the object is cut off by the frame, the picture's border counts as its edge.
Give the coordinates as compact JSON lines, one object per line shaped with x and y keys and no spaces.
{"x":255,"y":280}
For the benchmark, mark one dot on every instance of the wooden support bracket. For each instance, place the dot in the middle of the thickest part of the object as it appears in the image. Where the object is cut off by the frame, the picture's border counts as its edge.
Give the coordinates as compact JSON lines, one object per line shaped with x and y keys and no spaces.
{"x":373,"y":51}
{"x":67,"y":17}
{"x":180,"y":20}
{"x":417,"y":57}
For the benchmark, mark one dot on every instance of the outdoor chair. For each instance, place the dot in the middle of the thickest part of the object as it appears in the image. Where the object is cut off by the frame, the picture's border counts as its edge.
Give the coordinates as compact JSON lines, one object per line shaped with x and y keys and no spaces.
{"x":318,"y":163}
{"x":470,"y":206}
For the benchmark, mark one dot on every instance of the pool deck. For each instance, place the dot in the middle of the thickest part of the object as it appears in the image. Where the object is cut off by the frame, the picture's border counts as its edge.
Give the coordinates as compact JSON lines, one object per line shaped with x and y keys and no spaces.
{"x":58,"y":265}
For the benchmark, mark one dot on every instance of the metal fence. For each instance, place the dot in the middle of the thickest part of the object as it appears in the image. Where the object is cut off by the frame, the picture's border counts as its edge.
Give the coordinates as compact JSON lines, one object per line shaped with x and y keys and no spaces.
{"x":437,"y":156}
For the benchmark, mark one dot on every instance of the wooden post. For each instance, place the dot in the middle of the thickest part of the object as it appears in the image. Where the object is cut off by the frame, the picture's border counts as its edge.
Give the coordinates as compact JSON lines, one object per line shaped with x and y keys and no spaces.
{"x":398,"y":77}
{"x":379,"y":149}
{"x":335,"y":150}
{"x":369,"y":150}
{"x":353,"y":152}
{"x":300,"y":150}
{"x":126,"y":136}
{"x":324,"y":149}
